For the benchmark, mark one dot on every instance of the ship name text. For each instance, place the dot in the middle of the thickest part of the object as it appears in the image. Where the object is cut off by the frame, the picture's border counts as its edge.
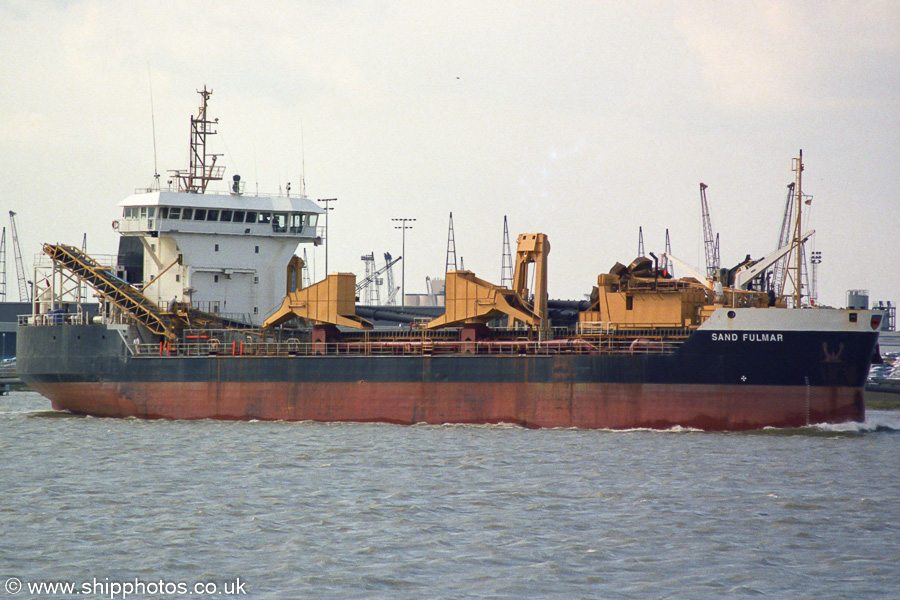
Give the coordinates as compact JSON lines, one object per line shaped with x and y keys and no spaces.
{"x":747,"y":337}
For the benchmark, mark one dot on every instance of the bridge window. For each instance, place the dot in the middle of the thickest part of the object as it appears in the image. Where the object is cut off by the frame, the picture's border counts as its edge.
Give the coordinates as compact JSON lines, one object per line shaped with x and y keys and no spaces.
{"x":151,"y":211}
{"x":212,"y":215}
{"x":143,"y":212}
{"x":251,"y":217}
{"x":313,"y":219}
{"x":174,"y":213}
{"x":226,"y":216}
{"x":279,"y":223}
{"x":264,"y":218}
{"x":238,"y":216}
{"x":187,"y":213}
{"x":200,"y":214}
{"x":163,"y":212}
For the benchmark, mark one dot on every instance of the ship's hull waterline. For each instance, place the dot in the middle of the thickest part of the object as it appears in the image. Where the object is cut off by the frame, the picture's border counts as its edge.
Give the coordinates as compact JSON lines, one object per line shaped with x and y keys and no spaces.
{"x":539,"y":405}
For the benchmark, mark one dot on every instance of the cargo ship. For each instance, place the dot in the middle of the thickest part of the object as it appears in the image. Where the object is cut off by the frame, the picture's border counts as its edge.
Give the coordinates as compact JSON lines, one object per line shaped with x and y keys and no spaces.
{"x":203,"y":315}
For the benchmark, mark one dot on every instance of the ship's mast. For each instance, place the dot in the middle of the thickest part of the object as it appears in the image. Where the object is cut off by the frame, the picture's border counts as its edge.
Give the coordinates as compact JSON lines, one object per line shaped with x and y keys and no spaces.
{"x":795,"y":270}
{"x":203,"y":167}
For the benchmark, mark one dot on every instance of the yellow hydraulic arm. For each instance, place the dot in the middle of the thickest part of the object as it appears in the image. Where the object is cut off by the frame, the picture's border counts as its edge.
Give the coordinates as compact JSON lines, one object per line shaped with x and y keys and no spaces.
{"x":532,"y":248}
{"x":470,"y":300}
{"x":329,"y":302}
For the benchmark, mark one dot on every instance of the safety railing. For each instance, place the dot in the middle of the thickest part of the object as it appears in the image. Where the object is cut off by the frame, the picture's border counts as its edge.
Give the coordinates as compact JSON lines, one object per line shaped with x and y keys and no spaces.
{"x":427,"y":347}
{"x":53,"y":319}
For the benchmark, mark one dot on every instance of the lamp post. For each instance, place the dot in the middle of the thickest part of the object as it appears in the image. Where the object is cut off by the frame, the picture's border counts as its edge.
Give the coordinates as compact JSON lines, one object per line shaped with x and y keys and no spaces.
{"x":326,"y":201}
{"x":403,"y":225}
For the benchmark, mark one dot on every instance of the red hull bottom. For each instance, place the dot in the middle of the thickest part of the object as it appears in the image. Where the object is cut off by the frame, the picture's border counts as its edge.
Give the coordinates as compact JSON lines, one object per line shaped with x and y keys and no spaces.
{"x":591,"y":406}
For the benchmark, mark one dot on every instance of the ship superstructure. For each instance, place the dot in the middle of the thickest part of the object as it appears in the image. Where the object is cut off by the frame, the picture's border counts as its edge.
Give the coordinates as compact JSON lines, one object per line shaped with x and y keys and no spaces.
{"x":223,"y":254}
{"x":220,"y":253}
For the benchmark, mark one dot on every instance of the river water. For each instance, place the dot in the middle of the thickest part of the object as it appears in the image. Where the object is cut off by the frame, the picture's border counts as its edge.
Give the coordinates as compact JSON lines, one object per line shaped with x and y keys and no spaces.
{"x":310,"y":510}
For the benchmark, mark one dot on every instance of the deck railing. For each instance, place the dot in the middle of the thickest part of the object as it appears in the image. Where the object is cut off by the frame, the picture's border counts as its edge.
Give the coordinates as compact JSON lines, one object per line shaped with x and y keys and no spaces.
{"x":404,"y":348}
{"x":392,"y":342}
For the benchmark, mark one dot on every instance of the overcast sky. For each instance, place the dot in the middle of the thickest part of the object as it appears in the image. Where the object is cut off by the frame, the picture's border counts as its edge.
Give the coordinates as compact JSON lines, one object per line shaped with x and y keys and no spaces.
{"x":581,"y":120}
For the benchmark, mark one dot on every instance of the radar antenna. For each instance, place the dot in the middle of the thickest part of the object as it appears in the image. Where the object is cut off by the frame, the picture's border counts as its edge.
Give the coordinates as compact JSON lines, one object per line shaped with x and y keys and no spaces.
{"x":203,"y":167}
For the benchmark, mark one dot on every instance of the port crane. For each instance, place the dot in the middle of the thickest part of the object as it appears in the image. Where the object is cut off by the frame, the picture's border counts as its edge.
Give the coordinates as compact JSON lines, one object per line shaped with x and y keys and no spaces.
{"x":710,"y":241}
{"x":783,"y":239}
{"x":20,"y":266}
{"x":370,"y":279}
{"x":371,"y":282}
{"x":389,"y":273}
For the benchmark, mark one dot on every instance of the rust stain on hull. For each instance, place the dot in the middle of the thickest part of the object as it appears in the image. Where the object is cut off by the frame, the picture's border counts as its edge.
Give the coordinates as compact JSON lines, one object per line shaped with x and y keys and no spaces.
{"x":584,"y":405}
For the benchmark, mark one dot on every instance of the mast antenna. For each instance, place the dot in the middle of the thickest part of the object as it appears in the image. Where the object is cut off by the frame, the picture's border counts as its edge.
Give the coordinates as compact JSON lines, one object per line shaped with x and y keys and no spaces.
{"x":302,"y":163}
{"x":203,"y":167}
{"x":451,"y":248}
{"x":506,"y":265}
{"x":795,"y":265}
{"x":155,"y":185}
{"x":667,"y":264}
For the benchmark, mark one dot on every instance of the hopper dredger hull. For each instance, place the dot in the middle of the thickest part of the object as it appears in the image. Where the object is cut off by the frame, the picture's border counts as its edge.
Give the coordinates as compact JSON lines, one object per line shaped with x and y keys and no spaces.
{"x":720,"y":378}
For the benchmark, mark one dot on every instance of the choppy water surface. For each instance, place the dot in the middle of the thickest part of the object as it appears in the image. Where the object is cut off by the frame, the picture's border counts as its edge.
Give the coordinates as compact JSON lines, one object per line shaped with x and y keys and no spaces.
{"x":308,"y":510}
